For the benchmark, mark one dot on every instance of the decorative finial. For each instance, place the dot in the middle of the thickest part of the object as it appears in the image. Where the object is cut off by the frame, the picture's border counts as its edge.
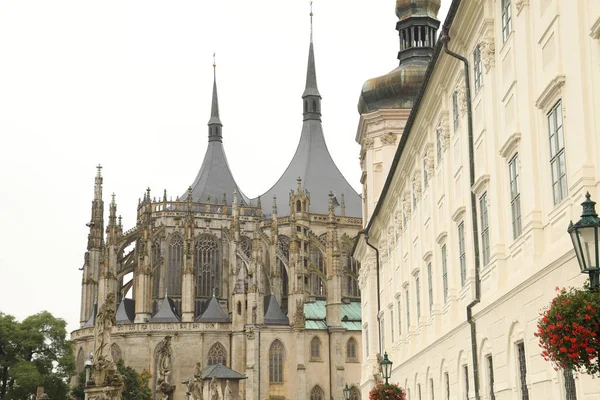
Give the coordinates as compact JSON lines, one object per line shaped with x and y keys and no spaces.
{"x":274,"y":204}
{"x":113,"y":198}
{"x":299,"y":180}
{"x":165,"y":195}
{"x":214,"y":60}
{"x":311,"y":21}
{"x":99,"y":167}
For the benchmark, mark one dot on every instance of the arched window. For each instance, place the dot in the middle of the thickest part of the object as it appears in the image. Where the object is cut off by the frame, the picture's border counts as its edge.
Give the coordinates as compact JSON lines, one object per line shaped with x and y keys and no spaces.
{"x":283,"y":252}
{"x":80,"y":363}
{"x":314,"y":109}
{"x":207,"y":265}
{"x":115,"y":352}
{"x":351,"y":350}
{"x":156,"y":269}
{"x":246,"y":246}
{"x":175,"y":265}
{"x":298,"y":206}
{"x":305,"y":105}
{"x":318,"y":285}
{"x":217,"y":355}
{"x":317,"y":393}
{"x":315,"y":348}
{"x":350,"y":268}
{"x":276,"y":353}
{"x":355,"y":393}
{"x":239,"y":308}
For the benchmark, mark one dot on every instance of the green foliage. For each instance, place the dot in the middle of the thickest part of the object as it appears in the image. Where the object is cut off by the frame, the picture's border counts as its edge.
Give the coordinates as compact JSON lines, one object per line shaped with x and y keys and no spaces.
{"x":136,"y":385}
{"x":34,"y":352}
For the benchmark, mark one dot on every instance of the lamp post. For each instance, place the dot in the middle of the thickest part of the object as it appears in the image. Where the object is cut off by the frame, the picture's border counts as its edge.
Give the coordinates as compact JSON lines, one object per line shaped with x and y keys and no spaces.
{"x":585,"y":235}
{"x":386,"y":367}
{"x":346,"y":392}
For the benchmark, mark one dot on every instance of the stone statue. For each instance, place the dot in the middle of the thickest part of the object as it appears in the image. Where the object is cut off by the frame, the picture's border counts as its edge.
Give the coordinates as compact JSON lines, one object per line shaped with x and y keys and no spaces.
{"x":228,"y":395}
{"x":214,"y":390}
{"x":164,"y":362}
{"x":105,"y":320}
{"x":197,"y":384}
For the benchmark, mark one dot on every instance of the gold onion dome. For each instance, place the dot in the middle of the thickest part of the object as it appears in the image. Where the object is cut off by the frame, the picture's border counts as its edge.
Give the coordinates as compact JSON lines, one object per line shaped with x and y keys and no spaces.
{"x":417,"y":8}
{"x":417,"y":27}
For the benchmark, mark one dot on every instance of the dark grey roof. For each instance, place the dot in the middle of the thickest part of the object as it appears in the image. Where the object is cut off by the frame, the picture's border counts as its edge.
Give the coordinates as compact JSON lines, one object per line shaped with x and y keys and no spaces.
{"x":313,"y":163}
{"x":213,"y":313}
{"x":92,"y":320}
{"x":220,"y":371}
{"x":215,"y":178}
{"x":126,"y":311}
{"x":273,"y":313}
{"x":166,"y":312}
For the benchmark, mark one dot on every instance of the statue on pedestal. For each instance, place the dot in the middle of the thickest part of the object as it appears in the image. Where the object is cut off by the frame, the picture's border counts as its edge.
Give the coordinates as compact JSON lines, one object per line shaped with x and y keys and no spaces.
{"x":164,"y":362}
{"x":214,"y":390}
{"x":227,"y":395}
{"x":196,"y":386}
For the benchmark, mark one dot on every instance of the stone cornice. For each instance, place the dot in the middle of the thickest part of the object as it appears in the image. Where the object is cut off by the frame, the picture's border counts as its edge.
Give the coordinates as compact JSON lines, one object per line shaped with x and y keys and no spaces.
{"x":480,"y":184}
{"x":459,"y":214}
{"x":549,"y":93}
{"x":511,"y":144}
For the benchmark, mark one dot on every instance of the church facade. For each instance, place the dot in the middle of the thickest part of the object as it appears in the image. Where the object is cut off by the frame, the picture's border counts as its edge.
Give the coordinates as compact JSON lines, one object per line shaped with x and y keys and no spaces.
{"x":266,"y":287}
{"x":470,"y":181}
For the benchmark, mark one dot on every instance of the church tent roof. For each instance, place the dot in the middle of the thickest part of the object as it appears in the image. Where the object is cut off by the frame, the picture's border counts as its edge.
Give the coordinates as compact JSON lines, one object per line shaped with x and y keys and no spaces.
{"x":220,"y":371}
{"x":166,"y":312}
{"x":92,"y":320}
{"x":126,"y":311}
{"x":213,"y":313}
{"x":273,"y":313}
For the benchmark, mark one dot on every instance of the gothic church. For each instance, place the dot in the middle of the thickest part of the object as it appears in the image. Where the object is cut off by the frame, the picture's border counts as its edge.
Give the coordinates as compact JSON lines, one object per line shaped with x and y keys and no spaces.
{"x":262,"y":292}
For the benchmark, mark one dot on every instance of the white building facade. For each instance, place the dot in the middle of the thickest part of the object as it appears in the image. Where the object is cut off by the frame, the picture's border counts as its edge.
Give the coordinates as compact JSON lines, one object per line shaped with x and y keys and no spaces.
{"x":534,"y":74}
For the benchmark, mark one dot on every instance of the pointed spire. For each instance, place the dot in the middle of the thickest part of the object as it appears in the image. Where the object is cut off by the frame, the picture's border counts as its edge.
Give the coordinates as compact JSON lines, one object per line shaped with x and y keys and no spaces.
{"x":214,"y":124}
{"x":311,"y":72}
{"x":98,"y":183}
{"x":112,"y":216}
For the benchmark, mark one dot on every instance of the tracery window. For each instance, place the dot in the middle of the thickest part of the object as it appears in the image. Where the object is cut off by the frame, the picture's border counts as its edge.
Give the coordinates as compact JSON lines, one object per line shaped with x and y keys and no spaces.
{"x":317,"y":283}
{"x":174,"y":266}
{"x":276,"y":353}
{"x":283,"y":250}
{"x":317,"y":393}
{"x":207,"y":266}
{"x":315,"y":348}
{"x":351,"y":350}
{"x":351,"y":268}
{"x":246,"y":246}
{"x":217,"y":355}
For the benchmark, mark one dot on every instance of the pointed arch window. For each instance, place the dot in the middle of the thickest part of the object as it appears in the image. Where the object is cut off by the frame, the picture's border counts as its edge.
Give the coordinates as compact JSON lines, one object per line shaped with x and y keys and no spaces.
{"x":156,"y":269}
{"x":317,"y":393}
{"x":175,"y":265}
{"x":217,"y":355}
{"x":276,"y":355}
{"x":298,"y":206}
{"x":80,"y":363}
{"x":283,"y":256}
{"x":351,"y":350}
{"x":207,"y":266}
{"x":315,"y":349}
{"x":351,"y":268}
{"x":318,"y":266}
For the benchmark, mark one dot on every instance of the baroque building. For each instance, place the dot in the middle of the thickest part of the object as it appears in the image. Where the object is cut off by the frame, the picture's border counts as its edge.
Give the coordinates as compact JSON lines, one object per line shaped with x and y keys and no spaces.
{"x":265,"y":287}
{"x":472,"y":168}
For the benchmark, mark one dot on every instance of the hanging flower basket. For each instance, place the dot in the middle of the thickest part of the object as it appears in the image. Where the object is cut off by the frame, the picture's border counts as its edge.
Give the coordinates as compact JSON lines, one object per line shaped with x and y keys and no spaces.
{"x":568,"y":330}
{"x":387,"y":392}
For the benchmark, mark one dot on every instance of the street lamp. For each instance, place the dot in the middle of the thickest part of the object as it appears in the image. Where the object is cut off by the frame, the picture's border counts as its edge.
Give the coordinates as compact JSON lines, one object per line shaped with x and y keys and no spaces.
{"x":585,"y":235}
{"x":386,"y":367}
{"x":346,"y":392}
{"x":88,"y":367}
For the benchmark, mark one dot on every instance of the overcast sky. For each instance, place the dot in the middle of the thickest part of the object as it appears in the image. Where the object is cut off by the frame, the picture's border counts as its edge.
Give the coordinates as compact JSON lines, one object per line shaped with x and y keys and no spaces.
{"x":127,"y":84}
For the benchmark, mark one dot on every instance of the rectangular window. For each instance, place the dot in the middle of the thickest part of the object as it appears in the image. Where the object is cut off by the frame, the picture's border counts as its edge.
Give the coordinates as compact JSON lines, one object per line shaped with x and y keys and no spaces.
{"x":399,"y":318}
{"x":430,"y":286}
{"x":407,"y":309}
{"x":515,"y":195}
{"x":444,"y":274}
{"x":570,"y":391}
{"x":466,"y":371}
{"x":506,"y":19}
{"x":477,"y":67}
{"x":490,"y":365}
{"x":425,"y":174}
{"x":461,"y":254}
{"x":392,"y":323}
{"x":522,"y":371}
{"x":418,"y":294}
{"x":447,"y":384}
{"x":557,"y":153}
{"x":382,"y":334}
{"x":455,"y":110}
{"x":485,"y":229}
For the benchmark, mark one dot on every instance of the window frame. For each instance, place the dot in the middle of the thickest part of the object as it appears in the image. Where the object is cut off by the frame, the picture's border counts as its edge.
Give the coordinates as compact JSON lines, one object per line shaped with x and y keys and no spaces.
{"x":506,"y":19}
{"x":430,"y":286}
{"x":276,"y":360}
{"x":315,"y":349}
{"x":515,"y":195}
{"x":522,"y":370}
{"x":477,"y":68}
{"x":407,"y":300}
{"x":557,"y":153}
{"x":462,"y":257}
{"x":418,"y":296}
{"x":444,"y":259}
{"x":490,"y":382}
{"x":485,"y":228}
{"x":455,"y":113}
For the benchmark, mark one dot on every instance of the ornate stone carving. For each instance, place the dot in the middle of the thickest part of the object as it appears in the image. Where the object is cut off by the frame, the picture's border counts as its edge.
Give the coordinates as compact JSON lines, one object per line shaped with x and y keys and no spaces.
{"x":461,"y":97}
{"x":196,"y":384}
{"x":164,"y":362}
{"x":417,"y":186}
{"x":487,"y":47}
{"x":250,"y":334}
{"x":444,"y":134}
{"x":393,"y":123}
{"x":368,"y":143}
{"x":429,"y":162}
{"x":105,"y":370}
{"x":299,"y":318}
{"x":214,"y":390}
{"x":227,"y":394}
{"x":388,"y":138}
{"x":520,"y":4}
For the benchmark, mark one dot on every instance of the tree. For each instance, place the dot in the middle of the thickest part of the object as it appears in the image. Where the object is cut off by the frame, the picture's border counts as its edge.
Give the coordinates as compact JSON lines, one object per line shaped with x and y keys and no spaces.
{"x":135,"y":385}
{"x":34,"y":352}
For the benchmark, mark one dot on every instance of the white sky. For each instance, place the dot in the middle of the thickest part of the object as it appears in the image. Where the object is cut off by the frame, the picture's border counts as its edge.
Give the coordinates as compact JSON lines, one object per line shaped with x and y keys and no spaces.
{"x":127,"y":84}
